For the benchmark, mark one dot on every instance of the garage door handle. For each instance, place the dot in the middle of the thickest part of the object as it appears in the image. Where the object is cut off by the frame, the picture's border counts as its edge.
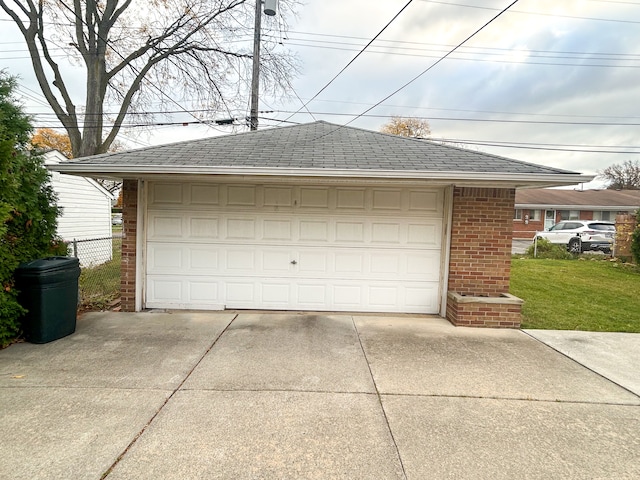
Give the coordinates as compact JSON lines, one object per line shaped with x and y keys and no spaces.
{"x":293,"y":262}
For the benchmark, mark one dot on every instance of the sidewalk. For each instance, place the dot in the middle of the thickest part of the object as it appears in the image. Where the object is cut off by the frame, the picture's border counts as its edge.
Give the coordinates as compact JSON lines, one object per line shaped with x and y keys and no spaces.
{"x":292,"y":395}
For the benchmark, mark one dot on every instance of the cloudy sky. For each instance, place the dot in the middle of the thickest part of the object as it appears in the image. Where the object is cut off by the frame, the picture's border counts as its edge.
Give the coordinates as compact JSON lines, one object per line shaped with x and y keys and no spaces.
{"x":559,"y":79}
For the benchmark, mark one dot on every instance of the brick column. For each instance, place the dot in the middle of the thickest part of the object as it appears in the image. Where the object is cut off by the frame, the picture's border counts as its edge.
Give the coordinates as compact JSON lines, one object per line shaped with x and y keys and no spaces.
{"x":480,"y":258}
{"x":625,"y":225}
{"x":129,"y":235}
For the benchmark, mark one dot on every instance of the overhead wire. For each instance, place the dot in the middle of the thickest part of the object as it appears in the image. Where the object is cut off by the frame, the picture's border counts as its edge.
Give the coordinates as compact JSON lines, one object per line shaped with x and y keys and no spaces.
{"x":132,"y":67}
{"x":353,"y":59}
{"x":532,"y":13}
{"x":441,"y":59}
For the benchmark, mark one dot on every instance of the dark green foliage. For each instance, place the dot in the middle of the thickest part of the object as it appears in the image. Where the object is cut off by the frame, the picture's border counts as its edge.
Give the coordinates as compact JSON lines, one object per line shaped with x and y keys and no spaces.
{"x":27,"y":206}
{"x":546,"y":249}
{"x":635,"y":240}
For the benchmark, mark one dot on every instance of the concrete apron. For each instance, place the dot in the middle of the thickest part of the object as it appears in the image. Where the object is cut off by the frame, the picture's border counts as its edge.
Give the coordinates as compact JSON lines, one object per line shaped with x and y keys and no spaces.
{"x":292,"y":395}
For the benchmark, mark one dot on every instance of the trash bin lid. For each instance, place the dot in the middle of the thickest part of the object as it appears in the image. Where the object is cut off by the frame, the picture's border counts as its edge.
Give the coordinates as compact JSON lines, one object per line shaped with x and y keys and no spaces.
{"x":48,"y":264}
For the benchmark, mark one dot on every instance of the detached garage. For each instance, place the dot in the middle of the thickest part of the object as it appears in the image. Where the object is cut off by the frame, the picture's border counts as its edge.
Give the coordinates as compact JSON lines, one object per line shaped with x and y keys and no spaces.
{"x":319,"y":217}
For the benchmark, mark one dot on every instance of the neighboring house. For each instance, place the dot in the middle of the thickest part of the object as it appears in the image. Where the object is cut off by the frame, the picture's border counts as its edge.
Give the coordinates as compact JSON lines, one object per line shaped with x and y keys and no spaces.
{"x":86,"y":213}
{"x":320,"y":217}
{"x":538,"y":209}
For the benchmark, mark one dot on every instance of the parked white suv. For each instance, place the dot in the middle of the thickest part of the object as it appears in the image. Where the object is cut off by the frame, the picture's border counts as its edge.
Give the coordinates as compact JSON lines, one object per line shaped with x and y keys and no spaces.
{"x":580,"y":236}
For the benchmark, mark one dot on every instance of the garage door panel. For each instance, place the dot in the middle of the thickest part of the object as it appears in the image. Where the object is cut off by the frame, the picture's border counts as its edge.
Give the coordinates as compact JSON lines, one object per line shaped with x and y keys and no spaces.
{"x":348,"y":296}
{"x":203,"y":259}
{"x":165,"y":258}
{"x":276,"y":294}
{"x":312,"y":295}
{"x":277,"y":230}
{"x":203,"y":291}
{"x":278,"y":196}
{"x":240,"y":229}
{"x":349,"y":232}
{"x":326,"y":248}
{"x":388,"y":264}
{"x":422,"y":264}
{"x":167,"y":227}
{"x":311,"y":261}
{"x":275,"y":261}
{"x":385,"y":233}
{"x":314,"y":197}
{"x":387,"y":199}
{"x":204,"y":228}
{"x":350,"y":198}
{"x":240,"y":260}
{"x":240,"y":292}
{"x":204,"y":194}
{"x":241,"y":195}
{"x":313,"y":231}
{"x":348,"y":262}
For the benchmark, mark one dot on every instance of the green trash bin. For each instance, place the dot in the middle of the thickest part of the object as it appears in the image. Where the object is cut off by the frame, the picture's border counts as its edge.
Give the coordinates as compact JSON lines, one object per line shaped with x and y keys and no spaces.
{"x":49,"y":291}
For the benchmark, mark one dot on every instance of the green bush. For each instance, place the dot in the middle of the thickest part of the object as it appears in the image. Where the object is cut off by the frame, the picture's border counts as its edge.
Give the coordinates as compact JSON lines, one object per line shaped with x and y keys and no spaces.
{"x":28,"y":212}
{"x":635,"y":240}
{"x":549,"y":250}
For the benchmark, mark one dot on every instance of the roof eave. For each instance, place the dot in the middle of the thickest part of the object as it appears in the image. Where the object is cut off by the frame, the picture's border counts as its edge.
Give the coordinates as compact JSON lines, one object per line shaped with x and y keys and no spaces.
{"x":540,"y":206}
{"x":458,"y":178}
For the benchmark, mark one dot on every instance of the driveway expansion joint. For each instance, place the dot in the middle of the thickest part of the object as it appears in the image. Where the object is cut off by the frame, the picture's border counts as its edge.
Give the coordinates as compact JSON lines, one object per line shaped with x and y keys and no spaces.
{"x":379,"y":397}
{"x":582,"y":365}
{"x":164,"y":404}
{"x":512,"y":399}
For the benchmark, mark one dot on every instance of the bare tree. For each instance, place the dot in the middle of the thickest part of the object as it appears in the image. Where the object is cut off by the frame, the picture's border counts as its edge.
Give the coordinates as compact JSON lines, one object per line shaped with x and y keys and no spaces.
{"x":407,"y":127}
{"x":622,"y":176}
{"x":134,"y":52}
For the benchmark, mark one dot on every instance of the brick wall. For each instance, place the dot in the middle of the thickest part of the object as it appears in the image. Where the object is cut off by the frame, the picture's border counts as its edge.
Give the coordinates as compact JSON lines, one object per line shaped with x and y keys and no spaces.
{"x":526,"y":231}
{"x":480,"y":255}
{"x":129,"y":233}
{"x":500,"y":313}
{"x":481,"y":234}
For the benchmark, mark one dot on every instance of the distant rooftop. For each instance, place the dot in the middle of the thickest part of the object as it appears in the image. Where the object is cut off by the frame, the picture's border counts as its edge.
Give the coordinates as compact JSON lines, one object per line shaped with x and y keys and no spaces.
{"x":579,"y":198}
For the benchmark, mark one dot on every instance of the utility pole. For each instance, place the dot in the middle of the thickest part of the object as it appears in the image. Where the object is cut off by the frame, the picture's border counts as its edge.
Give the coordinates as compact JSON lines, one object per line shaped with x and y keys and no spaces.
{"x":255,"y":77}
{"x":270,"y":9}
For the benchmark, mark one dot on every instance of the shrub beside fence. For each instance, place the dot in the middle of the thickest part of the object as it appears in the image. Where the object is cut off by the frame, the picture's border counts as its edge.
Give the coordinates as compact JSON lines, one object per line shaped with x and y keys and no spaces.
{"x":100,"y":270}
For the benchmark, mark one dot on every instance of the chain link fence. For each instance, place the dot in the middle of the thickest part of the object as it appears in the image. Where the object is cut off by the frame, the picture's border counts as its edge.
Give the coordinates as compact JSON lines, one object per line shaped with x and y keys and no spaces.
{"x":100,"y":270}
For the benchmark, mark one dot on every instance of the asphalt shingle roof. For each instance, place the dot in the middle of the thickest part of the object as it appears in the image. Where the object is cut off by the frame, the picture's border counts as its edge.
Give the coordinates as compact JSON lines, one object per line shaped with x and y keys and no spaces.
{"x":319,"y":145}
{"x":603,"y":198}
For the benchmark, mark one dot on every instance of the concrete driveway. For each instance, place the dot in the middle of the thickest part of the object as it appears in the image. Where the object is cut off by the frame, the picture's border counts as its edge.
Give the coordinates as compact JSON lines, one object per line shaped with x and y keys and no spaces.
{"x":301,"y":396}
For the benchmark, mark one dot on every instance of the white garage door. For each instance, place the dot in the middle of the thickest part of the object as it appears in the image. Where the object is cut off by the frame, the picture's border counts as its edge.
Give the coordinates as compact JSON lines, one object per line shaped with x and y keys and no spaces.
{"x":372,"y":249}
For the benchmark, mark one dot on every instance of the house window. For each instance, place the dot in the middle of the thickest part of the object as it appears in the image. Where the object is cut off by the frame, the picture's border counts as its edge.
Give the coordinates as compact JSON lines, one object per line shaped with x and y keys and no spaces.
{"x":535,"y":215}
{"x":569,"y":214}
{"x":518,"y":214}
{"x":605,"y":216}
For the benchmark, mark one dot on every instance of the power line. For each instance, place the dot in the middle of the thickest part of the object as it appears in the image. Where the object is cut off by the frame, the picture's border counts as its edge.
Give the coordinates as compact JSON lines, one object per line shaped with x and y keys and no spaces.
{"x":533,"y":13}
{"x":346,"y":114}
{"x":343,"y":102}
{"x":526,"y":147}
{"x":131,"y":66}
{"x":516,"y":62}
{"x":462,"y":119}
{"x":354,"y":58}
{"x":441,"y":59}
{"x":465,"y":47}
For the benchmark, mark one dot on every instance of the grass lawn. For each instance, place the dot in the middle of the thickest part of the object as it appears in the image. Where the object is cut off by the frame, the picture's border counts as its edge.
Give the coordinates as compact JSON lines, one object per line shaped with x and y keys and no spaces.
{"x":585,"y":294}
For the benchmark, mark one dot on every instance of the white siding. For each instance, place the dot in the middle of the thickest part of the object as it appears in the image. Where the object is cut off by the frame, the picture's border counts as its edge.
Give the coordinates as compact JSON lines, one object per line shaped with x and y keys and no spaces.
{"x":86,"y":214}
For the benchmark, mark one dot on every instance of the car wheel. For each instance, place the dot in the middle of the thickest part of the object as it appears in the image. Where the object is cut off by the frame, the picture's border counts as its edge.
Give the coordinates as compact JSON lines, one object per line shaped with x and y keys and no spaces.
{"x":575,"y":245}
